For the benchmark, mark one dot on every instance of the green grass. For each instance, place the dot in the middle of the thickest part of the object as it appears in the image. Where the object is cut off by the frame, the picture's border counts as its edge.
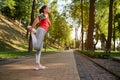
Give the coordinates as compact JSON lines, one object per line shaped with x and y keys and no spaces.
{"x":50,"y":49}
{"x":115,"y":54}
{"x":13,"y":54}
{"x":16,"y":54}
{"x":96,"y":54}
{"x":101,"y":54}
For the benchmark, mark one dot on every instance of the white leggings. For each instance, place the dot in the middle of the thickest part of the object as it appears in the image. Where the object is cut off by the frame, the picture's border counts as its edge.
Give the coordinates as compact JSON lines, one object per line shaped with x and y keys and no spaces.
{"x":37,"y":41}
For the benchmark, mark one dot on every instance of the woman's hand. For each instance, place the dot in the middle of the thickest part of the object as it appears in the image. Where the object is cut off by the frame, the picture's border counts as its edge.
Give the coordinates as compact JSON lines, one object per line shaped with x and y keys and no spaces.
{"x":30,"y":28}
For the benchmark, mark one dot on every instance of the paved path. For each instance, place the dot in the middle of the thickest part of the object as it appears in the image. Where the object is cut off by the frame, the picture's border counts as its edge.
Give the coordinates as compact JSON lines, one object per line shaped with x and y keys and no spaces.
{"x":60,"y":66}
{"x":90,"y":71}
{"x":110,"y":65}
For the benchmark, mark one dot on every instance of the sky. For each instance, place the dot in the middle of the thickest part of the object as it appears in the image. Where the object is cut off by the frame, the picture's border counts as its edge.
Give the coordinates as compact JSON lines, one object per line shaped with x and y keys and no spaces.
{"x":62,"y":3}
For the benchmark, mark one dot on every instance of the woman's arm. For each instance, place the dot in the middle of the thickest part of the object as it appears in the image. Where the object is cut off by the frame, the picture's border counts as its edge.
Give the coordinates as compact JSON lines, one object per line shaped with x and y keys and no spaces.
{"x":36,"y":21}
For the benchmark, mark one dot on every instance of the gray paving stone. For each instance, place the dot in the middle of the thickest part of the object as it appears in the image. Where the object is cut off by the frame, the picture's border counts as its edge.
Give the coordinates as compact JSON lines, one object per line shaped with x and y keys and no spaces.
{"x":90,"y":71}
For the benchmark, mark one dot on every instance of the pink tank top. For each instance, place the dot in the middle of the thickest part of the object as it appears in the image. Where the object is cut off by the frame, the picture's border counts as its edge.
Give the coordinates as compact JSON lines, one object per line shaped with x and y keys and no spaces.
{"x":45,"y":23}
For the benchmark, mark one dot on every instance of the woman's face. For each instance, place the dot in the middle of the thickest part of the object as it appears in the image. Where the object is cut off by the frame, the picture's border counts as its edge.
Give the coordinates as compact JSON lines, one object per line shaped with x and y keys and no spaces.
{"x":47,"y":10}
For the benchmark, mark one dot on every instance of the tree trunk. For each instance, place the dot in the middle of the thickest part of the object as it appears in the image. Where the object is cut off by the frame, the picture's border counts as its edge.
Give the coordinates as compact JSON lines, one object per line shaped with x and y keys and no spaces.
{"x":75,"y":37}
{"x":32,"y":19}
{"x":45,"y":45}
{"x":108,"y":43}
{"x":114,"y":29}
{"x":90,"y":45}
{"x":82,"y":23}
{"x":114,"y":37}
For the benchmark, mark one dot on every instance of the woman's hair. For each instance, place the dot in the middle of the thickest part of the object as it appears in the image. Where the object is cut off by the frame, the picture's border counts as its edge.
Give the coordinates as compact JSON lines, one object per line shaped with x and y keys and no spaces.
{"x":42,"y":9}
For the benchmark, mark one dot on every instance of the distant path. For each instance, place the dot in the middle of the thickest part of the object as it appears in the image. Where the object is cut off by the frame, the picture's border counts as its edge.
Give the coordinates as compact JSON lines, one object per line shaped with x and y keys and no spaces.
{"x":90,"y":71}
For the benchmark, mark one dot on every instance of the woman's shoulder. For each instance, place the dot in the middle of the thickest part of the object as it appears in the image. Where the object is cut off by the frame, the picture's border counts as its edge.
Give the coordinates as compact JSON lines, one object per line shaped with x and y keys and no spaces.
{"x":41,"y":16}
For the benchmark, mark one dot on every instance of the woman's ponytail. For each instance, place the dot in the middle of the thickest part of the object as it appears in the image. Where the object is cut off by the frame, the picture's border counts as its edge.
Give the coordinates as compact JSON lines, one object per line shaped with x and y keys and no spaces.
{"x":42,"y":9}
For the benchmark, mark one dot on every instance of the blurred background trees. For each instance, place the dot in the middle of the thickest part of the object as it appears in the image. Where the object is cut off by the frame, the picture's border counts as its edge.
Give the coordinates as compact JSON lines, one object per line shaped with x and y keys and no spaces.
{"x":98,"y":21}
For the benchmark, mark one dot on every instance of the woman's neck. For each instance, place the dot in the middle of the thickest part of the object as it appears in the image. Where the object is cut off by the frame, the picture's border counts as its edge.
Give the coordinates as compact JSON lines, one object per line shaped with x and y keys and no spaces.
{"x":46,"y":14}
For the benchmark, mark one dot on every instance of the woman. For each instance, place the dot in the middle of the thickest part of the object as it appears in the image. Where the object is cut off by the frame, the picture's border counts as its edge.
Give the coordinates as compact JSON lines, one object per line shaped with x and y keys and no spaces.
{"x":38,"y":35}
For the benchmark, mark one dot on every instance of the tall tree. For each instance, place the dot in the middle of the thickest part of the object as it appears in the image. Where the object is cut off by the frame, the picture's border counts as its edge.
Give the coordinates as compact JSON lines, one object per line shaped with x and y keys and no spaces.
{"x":32,"y":19}
{"x":76,"y":15}
{"x":108,"y":42}
{"x":91,"y":25}
{"x":116,"y":22}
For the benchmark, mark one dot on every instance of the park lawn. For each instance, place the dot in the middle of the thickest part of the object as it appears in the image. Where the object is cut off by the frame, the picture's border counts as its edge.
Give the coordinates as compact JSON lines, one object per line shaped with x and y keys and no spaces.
{"x":101,"y":54}
{"x":113,"y":53}
{"x":16,"y":54}
{"x":50,"y":49}
{"x":13,"y":54}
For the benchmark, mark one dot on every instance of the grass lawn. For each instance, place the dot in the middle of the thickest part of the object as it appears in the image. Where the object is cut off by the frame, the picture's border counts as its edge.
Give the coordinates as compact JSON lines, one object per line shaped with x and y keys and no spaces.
{"x":15,"y":54}
{"x":113,"y":53}
{"x":101,"y":54}
{"x":50,"y":49}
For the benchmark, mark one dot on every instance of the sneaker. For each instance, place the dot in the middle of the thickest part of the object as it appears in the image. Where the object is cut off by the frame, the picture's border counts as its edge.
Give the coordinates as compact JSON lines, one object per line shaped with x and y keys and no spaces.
{"x":40,"y":68}
{"x":37,"y":68}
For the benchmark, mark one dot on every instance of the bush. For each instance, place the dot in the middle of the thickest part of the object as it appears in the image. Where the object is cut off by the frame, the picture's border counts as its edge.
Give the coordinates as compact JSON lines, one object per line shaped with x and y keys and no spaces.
{"x":93,"y":54}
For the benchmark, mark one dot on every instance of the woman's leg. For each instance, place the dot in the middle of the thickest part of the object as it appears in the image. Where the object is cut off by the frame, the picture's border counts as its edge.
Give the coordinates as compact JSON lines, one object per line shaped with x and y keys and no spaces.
{"x":40,"y":37}
{"x":38,"y":55}
{"x":34,"y":40}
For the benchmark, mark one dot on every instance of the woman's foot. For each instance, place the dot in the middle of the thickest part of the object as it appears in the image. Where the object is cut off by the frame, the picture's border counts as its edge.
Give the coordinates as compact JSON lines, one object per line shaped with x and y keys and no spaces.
{"x":42,"y":67}
{"x":39,"y":67}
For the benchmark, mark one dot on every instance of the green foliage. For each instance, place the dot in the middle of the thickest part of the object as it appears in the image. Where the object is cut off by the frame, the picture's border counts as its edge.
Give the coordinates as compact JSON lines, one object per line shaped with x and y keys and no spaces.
{"x":20,"y":9}
{"x":7,"y":7}
{"x":101,"y":18}
{"x":60,"y":31}
{"x":8,"y":3}
{"x":75,"y":12}
{"x":17,"y":9}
